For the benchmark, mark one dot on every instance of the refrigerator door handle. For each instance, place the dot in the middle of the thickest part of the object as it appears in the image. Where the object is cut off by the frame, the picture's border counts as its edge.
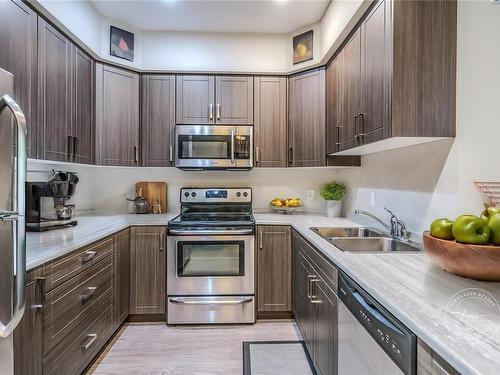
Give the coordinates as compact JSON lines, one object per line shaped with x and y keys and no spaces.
{"x":20,"y":260}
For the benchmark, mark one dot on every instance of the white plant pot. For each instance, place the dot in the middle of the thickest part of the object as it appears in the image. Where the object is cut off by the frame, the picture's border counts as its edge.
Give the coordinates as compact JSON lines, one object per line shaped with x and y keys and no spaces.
{"x":333,"y":208}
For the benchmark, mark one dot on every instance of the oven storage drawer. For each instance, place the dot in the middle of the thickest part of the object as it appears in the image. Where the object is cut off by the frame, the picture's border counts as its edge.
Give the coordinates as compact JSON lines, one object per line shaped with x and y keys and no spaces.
{"x":213,"y":309}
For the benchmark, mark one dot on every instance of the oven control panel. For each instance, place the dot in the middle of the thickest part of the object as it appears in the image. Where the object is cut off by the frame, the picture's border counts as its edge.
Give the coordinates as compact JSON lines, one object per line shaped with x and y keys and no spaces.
{"x":216,"y":195}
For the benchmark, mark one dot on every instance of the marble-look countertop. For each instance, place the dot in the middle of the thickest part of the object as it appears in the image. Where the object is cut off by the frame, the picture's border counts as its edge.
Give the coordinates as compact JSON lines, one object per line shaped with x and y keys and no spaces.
{"x":414,"y":290}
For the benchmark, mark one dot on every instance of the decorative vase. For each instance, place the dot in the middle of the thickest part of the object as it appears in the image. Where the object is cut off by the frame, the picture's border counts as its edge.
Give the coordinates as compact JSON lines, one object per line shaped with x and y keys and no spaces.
{"x":333,"y":208}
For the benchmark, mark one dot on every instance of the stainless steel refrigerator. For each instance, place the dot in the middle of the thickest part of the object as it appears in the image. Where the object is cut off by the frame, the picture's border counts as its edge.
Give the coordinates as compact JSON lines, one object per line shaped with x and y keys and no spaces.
{"x":12,"y":229}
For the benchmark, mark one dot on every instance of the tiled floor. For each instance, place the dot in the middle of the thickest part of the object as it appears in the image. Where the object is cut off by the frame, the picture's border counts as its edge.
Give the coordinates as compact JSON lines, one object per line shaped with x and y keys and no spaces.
{"x":208,"y":350}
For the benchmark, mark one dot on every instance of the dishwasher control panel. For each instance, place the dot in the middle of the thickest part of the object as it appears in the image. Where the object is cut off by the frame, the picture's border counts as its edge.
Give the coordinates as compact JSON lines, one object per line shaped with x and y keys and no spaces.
{"x":391,"y":335}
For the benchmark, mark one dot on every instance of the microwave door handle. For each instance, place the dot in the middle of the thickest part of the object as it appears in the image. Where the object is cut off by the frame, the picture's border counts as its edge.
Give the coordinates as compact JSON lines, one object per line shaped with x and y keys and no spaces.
{"x":232,"y":146}
{"x":7,"y":102}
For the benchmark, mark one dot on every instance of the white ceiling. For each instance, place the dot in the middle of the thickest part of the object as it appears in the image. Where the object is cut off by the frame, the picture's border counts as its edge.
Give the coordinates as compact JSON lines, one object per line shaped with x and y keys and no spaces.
{"x":246,"y":16}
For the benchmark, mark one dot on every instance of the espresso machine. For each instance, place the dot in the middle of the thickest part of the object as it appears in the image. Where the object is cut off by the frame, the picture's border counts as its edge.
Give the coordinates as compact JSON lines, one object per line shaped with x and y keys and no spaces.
{"x":46,"y":202}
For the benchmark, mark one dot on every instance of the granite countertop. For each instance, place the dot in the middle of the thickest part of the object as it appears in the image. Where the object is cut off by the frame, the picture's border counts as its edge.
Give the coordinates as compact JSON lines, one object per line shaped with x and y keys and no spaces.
{"x":414,"y":290}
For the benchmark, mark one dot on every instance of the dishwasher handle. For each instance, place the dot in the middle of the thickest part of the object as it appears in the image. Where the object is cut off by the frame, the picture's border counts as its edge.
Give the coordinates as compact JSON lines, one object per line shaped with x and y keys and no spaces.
{"x":399,"y":343}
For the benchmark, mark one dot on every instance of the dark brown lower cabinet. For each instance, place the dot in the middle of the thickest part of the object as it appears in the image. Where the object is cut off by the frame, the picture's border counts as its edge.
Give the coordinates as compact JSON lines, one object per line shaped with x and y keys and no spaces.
{"x":147,"y":270}
{"x":315,"y":306}
{"x":121,"y":277}
{"x":274,"y":270}
{"x":28,"y":334}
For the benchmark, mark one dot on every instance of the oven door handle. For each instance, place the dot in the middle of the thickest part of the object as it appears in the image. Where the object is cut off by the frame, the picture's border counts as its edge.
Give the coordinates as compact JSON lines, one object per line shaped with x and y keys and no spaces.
{"x":183,"y":232}
{"x":232,"y":146}
{"x":211,"y":302}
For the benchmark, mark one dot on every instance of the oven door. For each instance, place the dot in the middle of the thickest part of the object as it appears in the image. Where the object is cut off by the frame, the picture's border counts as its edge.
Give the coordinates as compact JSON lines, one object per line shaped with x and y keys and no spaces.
{"x":213,"y":147}
{"x":210,"y":265}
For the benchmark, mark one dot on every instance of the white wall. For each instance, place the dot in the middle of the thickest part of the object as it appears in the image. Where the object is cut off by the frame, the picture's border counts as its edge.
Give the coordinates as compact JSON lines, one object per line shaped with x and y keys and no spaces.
{"x":102,"y":189}
{"x":434,"y":180}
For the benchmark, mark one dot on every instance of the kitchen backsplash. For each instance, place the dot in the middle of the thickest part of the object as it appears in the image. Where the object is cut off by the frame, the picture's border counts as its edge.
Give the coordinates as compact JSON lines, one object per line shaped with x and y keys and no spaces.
{"x":102,"y":189}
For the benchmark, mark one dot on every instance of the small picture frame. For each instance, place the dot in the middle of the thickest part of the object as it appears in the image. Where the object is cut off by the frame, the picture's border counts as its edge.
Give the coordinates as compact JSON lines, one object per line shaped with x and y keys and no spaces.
{"x":303,"y":47}
{"x":121,"y":43}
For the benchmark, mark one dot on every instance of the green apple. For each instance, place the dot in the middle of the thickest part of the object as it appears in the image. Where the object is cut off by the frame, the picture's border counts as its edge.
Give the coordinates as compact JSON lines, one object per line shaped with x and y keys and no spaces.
{"x":471,"y":229}
{"x":442,"y":228}
{"x":494,"y":224}
{"x":489,"y":212}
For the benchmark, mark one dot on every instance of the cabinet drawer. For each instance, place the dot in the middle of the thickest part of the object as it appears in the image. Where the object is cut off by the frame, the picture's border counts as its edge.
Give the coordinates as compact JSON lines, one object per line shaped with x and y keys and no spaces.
{"x":328,"y":272}
{"x":67,"y":306}
{"x":76,"y":351}
{"x":61,"y":270}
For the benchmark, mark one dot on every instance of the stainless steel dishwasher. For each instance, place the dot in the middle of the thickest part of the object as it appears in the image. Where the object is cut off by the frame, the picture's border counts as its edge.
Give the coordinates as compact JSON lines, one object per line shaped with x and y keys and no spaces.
{"x":371,"y":340}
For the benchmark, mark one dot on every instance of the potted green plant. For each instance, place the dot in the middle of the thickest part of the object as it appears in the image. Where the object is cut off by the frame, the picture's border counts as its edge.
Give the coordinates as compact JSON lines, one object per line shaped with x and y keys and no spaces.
{"x":333,"y":192}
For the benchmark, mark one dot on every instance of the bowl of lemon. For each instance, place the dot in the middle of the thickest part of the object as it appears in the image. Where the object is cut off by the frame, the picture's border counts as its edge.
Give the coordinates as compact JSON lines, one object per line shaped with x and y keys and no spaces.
{"x":287,"y":206}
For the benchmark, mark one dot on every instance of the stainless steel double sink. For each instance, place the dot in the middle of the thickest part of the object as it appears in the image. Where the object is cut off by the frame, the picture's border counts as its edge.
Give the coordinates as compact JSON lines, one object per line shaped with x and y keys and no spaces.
{"x":364,"y":240}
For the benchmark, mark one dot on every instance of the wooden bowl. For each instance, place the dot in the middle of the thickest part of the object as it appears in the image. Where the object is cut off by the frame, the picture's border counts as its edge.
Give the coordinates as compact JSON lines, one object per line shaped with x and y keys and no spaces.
{"x":480,"y":262}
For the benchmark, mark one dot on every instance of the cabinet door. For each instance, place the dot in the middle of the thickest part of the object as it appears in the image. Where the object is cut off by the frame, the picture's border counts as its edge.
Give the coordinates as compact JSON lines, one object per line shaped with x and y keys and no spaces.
{"x":270,"y":121}
{"x":274,"y":269}
{"x":147,"y":270}
{"x":28,"y":334}
{"x":117,"y":116}
{"x":195,"y":100}
{"x":54,"y":93}
{"x":307,"y":119}
{"x":83,"y":130}
{"x":18,"y":49}
{"x":158,"y":120}
{"x":351,"y":76}
{"x":121,"y":280}
{"x":375,"y":74}
{"x":306,"y":316}
{"x":234,"y":100}
{"x":334,"y":101}
{"x":325,"y":329}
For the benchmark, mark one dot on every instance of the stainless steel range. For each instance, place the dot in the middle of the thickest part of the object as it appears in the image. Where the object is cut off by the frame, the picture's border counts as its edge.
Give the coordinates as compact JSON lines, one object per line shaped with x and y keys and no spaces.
{"x":210,"y":258}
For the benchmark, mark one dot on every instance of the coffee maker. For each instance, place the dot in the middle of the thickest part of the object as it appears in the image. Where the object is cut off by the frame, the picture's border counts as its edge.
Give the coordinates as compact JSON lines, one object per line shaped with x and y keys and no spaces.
{"x":46,"y":207}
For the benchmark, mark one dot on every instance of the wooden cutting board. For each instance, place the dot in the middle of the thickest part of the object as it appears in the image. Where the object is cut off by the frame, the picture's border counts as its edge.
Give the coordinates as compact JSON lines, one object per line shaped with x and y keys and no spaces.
{"x":153,"y":192}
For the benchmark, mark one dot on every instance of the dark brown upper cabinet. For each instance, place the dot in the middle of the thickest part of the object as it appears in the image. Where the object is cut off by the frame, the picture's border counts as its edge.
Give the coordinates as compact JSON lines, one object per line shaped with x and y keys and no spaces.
{"x":270,"y":128}
{"x":65,"y":98}
{"x":306,"y":132}
{"x":195,"y":99}
{"x":207,"y":99}
{"x":234,"y":100}
{"x":274,"y":269}
{"x":158,"y":120}
{"x":395,"y":77}
{"x":55,"y":102}
{"x":83,"y":133}
{"x":18,"y":55}
{"x":117,"y":116}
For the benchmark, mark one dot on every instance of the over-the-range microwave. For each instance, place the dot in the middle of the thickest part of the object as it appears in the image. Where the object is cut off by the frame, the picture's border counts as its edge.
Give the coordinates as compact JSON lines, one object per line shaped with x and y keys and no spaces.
{"x":202,"y":147}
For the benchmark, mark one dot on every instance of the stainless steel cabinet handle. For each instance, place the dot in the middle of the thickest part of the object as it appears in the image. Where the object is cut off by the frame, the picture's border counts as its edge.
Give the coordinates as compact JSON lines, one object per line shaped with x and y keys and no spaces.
{"x":257,"y":149}
{"x":218,"y":111}
{"x":260,"y":240}
{"x":171,"y":154}
{"x":232,"y":146}
{"x":9,"y":215}
{"x":75,"y":146}
{"x":313,"y":282}
{"x":88,"y":256}
{"x":356,"y":127}
{"x":208,"y":302}
{"x":361,"y":131}
{"x":136,"y":154}
{"x":210,"y":111}
{"x":92,"y":337}
{"x":318,"y":301}
{"x":338,"y":143}
{"x":70,"y":148}
{"x":89,"y":295}
{"x":290,"y":155}
{"x":40,"y":293}
{"x":309,"y":285}
{"x":162,"y":241}
{"x":18,"y":206}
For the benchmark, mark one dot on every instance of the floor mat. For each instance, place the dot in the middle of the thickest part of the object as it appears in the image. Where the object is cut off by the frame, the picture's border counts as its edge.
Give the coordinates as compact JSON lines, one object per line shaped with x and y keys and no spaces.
{"x":276,"y":358}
